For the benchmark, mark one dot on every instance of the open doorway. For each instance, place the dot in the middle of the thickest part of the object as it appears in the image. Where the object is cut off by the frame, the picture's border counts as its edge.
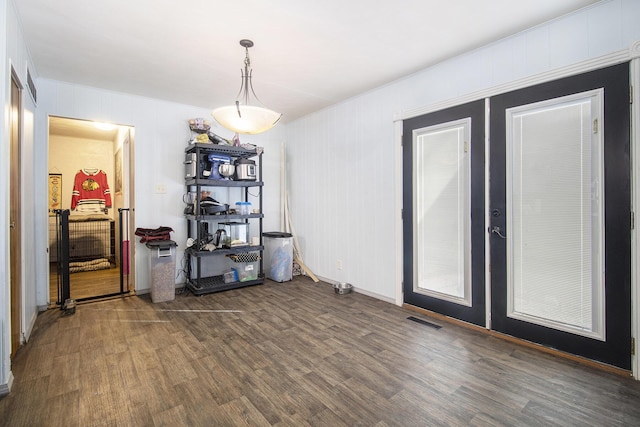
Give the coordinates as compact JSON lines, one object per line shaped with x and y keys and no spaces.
{"x":90,"y":187}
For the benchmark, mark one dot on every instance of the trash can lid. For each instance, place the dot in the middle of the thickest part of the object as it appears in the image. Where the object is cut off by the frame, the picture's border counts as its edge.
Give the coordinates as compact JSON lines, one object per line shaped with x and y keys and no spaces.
{"x":154,"y":244}
{"x":277,"y":234}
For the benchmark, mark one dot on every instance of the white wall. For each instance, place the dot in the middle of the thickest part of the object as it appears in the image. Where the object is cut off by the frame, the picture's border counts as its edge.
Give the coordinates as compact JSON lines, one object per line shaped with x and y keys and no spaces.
{"x":5,"y":297}
{"x":343,"y":161}
{"x":14,"y":54}
{"x":161,"y":136}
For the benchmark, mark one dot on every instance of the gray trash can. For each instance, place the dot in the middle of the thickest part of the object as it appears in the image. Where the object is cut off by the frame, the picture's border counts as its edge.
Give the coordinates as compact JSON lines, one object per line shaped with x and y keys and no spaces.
{"x":162,"y":270}
{"x":278,"y":256}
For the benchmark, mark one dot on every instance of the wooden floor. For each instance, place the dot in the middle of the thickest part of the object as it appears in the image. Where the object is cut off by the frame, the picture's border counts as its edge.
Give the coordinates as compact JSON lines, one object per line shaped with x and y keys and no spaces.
{"x":293,"y":354}
{"x":86,"y":284}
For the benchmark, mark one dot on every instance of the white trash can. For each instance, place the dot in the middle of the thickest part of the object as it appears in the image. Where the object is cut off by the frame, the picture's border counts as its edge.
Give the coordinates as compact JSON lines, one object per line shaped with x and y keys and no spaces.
{"x":278,"y":256}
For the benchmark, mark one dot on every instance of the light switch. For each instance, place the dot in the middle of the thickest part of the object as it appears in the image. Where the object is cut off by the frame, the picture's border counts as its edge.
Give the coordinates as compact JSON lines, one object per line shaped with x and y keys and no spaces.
{"x":161,"y":188}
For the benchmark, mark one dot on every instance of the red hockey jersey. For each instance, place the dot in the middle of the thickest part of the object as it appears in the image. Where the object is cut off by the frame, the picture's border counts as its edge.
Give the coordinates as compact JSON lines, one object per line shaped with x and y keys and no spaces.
{"x":90,"y":191}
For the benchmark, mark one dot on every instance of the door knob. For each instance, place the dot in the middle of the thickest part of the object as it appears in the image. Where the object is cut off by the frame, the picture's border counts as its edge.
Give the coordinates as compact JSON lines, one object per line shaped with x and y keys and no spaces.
{"x":495,"y":229}
{"x":12,"y":225}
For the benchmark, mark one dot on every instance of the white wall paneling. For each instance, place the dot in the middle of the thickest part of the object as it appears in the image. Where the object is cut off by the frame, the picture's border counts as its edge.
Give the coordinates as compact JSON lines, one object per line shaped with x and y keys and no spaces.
{"x":15,"y":59}
{"x":340,"y":180}
{"x":361,"y":131}
{"x":5,"y":297}
{"x":14,"y":54}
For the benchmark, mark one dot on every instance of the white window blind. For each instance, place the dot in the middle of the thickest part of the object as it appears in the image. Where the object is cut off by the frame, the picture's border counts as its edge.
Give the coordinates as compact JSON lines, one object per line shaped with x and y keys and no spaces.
{"x":556,"y":215}
{"x":442,"y":211}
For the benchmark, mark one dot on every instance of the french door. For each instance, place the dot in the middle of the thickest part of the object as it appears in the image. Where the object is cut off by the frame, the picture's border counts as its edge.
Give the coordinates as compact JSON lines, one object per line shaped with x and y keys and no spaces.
{"x":443,"y":211}
{"x":559,"y":214}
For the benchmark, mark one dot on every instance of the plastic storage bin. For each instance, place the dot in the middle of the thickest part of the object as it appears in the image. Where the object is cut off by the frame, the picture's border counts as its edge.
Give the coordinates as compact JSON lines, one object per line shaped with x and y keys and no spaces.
{"x":246,"y":266}
{"x":278,"y":256}
{"x":162,"y":270}
{"x":247,"y":271}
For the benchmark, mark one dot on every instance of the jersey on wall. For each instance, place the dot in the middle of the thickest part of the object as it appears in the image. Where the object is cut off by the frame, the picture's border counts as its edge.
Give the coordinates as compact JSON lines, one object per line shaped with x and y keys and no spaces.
{"x":90,"y":191}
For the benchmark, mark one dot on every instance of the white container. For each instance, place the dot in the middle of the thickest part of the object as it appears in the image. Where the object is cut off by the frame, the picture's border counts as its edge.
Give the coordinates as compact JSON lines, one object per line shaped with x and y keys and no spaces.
{"x":243,"y":208}
{"x":278,"y":256}
{"x":162,"y":270}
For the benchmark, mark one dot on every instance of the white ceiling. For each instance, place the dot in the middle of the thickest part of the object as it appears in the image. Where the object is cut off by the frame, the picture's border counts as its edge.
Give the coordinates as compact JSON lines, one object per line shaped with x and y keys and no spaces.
{"x":307,"y":54}
{"x":81,"y":129}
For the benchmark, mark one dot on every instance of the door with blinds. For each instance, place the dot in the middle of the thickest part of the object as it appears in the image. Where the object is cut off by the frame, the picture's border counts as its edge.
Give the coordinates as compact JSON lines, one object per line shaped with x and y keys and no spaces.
{"x":443,"y":212}
{"x":561,"y":215}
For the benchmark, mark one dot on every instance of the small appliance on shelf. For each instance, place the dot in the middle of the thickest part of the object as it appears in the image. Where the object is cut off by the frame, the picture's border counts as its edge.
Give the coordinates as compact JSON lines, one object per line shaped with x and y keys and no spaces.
{"x":245,"y":170}
{"x":236,"y":234}
{"x":220,"y":165}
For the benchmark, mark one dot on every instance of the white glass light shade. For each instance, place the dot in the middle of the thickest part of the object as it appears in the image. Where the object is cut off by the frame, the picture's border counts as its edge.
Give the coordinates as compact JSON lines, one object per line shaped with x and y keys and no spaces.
{"x":250,"y":121}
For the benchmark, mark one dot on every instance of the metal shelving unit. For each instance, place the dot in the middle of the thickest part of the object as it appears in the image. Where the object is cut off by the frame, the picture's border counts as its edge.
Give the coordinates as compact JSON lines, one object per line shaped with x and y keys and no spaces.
{"x":198,"y":283}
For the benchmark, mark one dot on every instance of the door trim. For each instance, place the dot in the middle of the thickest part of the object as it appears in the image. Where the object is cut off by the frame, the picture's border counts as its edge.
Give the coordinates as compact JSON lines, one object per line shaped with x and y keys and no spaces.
{"x":619,"y":57}
{"x":634,"y":68}
{"x":16,"y":310}
{"x":487,"y":215}
{"x":124,"y":198}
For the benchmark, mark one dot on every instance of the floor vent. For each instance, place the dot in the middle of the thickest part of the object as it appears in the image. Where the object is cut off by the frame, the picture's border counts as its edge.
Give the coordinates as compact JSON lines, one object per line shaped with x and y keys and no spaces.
{"x":424,"y":322}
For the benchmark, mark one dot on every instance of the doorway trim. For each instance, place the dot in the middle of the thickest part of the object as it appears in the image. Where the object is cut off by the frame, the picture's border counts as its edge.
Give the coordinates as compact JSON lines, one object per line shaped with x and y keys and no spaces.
{"x":16,"y":247}
{"x":634,"y":68}
{"x":123,"y":196}
{"x":571,"y":70}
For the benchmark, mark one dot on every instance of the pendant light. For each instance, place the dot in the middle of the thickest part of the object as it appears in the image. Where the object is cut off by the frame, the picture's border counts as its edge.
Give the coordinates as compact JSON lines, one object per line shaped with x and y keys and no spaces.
{"x":243,"y":117}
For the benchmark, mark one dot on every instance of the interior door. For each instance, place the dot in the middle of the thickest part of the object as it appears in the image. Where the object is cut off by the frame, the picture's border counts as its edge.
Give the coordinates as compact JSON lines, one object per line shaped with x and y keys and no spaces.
{"x":560,"y":215}
{"x":443,"y":212}
{"x":14,"y":218}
